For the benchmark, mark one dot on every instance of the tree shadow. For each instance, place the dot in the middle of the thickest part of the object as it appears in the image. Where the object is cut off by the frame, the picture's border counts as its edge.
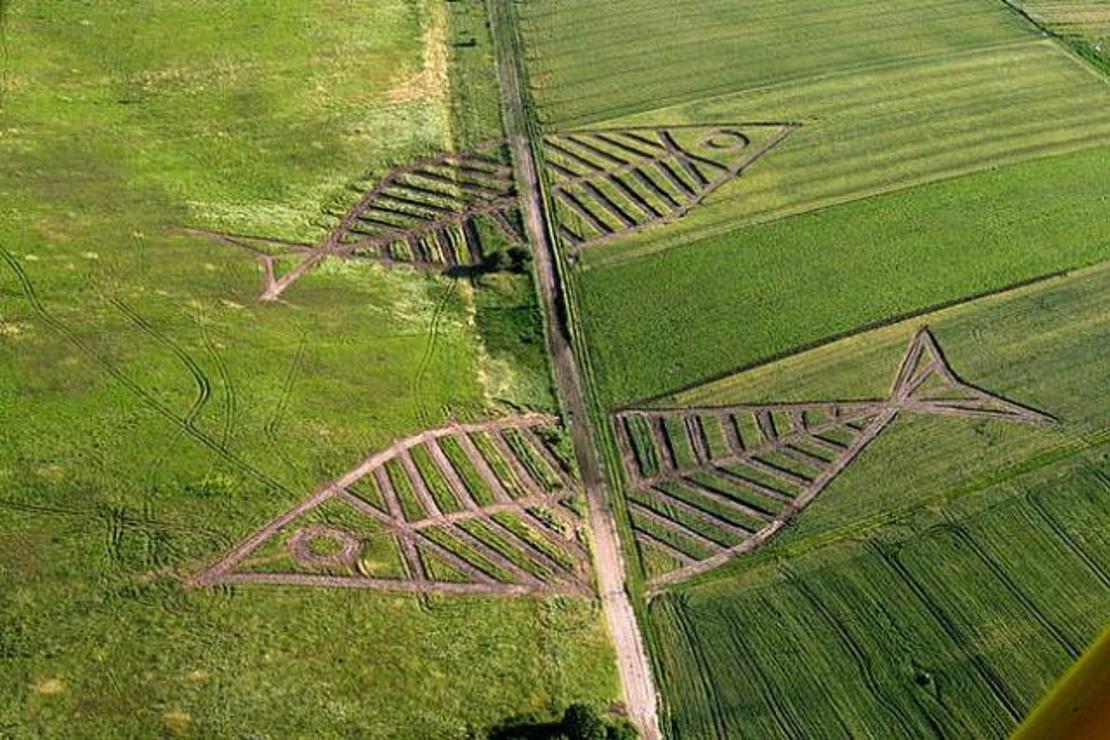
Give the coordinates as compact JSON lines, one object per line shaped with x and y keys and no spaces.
{"x":526,"y":728}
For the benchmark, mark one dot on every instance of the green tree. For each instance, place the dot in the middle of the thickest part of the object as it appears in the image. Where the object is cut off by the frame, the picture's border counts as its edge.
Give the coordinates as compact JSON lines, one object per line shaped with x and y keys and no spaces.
{"x":582,"y":722}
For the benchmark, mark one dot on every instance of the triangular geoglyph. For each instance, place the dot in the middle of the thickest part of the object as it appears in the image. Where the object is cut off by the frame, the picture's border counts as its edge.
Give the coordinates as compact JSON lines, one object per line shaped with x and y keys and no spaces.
{"x":608,"y":183}
{"x":467,"y":508}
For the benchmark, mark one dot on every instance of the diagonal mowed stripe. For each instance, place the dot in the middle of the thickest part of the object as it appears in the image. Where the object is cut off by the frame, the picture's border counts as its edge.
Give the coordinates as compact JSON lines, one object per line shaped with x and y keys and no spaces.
{"x":592,"y":62}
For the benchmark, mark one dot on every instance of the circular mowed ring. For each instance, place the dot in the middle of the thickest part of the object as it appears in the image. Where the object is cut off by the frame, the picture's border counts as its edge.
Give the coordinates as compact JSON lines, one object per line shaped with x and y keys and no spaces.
{"x":726,"y":139}
{"x":324,"y":546}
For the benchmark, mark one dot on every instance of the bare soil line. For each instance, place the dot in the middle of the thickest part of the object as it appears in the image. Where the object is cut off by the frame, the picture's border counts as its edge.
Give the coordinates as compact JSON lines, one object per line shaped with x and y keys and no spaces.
{"x":632,"y":661}
{"x":858,"y":421}
{"x":517,"y":566}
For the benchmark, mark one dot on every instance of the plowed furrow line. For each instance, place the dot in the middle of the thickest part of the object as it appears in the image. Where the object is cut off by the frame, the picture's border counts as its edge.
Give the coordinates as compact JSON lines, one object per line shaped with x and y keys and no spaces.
{"x":805,"y":458}
{"x":726,"y":501}
{"x":525,"y":547}
{"x":608,"y":204}
{"x":548,"y":457}
{"x":457,"y":562}
{"x":573,"y":157}
{"x":649,"y":211}
{"x":598,"y":151}
{"x":423,"y":495}
{"x":454,"y":482}
{"x":580,"y":208}
{"x":652,"y":185}
{"x":663,"y":443}
{"x":636,"y":136}
{"x":705,"y":516}
{"x":520,"y":471}
{"x":681,"y":185}
{"x":624,"y":145}
{"x":479,"y":189}
{"x":695,"y":432}
{"x":753,"y":486}
{"x":485,"y":472}
{"x":776,"y":472}
{"x":732,"y":433}
{"x":677,"y":527}
{"x":493,"y":555}
{"x":670,"y":550}
{"x":570,"y":236}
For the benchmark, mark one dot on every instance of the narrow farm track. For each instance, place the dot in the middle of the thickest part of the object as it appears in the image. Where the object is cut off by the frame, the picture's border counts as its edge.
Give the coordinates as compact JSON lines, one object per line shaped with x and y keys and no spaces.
{"x":632,"y":661}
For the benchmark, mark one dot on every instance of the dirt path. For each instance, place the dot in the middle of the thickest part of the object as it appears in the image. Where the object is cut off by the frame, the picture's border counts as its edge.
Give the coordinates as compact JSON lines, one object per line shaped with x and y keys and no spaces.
{"x":632,"y":660}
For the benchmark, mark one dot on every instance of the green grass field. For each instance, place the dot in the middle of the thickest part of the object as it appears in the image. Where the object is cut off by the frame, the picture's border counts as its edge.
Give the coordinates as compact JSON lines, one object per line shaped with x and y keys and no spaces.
{"x":949,"y":575}
{"x":155,"y":413}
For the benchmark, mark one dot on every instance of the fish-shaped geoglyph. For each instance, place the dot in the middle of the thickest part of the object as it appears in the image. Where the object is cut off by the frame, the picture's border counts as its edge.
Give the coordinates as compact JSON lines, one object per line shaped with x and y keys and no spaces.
{"x":711,"y":483}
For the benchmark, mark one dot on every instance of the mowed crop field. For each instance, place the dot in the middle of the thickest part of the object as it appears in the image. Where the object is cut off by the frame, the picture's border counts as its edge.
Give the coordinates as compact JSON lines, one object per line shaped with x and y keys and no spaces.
{"x":153,"y":413}
{"x":867,"y":132}
{"x":885,"y":96}
{"x":593,"y":62}
{"x":940,"y":151}
{"x":944,"y":580}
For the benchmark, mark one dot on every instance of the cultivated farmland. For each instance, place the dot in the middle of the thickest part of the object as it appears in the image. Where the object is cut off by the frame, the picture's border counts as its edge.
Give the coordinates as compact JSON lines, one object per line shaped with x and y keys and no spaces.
{"x":477,"y":368}
{"x":946,"y":577}
{"x":735,"y":300}
{"x":592,"y":62}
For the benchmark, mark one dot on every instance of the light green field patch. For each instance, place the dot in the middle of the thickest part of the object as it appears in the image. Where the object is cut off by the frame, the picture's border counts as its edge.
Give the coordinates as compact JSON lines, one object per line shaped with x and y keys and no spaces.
{"x":153,"y":413}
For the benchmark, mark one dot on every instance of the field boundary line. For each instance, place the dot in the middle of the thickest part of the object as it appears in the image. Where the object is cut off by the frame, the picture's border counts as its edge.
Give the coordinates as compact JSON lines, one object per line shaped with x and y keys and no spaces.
{"x":633,"y":664}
